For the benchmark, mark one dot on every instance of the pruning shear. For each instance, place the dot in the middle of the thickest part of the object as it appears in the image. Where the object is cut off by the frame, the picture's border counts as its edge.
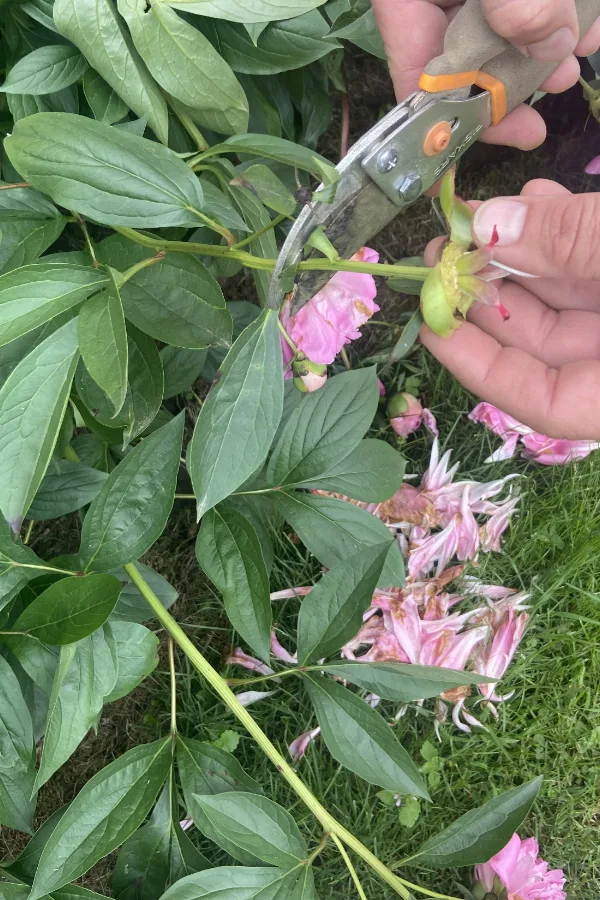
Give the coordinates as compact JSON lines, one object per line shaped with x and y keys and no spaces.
{"x":402,"y":156}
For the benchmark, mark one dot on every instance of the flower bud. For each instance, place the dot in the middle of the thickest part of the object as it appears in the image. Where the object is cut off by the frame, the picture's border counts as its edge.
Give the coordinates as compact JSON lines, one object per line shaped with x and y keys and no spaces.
{"x":309,"y":382}
{"x":405,"y":413}
{"x":308,"y":375}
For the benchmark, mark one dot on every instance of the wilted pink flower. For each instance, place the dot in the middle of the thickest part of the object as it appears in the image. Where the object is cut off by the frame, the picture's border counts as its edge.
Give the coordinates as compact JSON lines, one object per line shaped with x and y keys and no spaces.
{"x":405,"y":413}
{"x":593,"y":167}
{"x":298,"y":748}
{"x":523,"y":873}
{"x":538,"y":447}
{"x":333,"y":316}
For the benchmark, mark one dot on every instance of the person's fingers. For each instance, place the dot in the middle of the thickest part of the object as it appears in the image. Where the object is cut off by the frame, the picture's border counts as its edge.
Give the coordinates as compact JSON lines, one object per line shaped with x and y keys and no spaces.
{"x":564,"y":77}
{"x":542,"y":186}
{"x":561,"y":403}
{"x":522,"y":128}
{"x":547,"y":31}
{"x":555,"y":337}
{"x":413,"y":34}
{"x":555,"y":235}
{"x":562,"y":293}
{"x":590,"y":41}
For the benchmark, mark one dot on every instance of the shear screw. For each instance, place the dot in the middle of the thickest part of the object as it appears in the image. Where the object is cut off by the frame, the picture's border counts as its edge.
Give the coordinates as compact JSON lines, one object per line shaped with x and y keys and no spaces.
{"x":410,"y":187}
{"x":387,"y":160}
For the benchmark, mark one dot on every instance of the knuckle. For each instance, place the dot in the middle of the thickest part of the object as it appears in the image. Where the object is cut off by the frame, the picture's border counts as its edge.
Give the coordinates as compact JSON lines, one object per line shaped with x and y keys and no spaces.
{"x":571,"y":234}
{"x":519,"y":20}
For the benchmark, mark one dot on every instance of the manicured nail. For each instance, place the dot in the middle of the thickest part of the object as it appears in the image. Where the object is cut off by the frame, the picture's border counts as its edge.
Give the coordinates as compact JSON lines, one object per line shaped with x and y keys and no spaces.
{"x":556,"y":47}
{"x":507,"y":216}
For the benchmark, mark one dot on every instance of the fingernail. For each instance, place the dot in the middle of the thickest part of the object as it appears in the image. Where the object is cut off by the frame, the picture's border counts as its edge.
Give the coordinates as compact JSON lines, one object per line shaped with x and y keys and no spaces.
{"x":555,"y":47}
{"x":507,"y":216}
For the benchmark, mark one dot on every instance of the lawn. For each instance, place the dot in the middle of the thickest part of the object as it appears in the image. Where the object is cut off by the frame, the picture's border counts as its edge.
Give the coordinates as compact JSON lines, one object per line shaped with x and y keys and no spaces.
{"x":550,"y":726}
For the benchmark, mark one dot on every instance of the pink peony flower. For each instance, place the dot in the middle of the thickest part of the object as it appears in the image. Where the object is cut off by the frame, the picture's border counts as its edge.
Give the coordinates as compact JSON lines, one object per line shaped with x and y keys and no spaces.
{"x":405,"y":413}
{"x":524,"y":874}
{"x":593,"y":167}
{"x":538,"y":447}
{"x":333,"y":316}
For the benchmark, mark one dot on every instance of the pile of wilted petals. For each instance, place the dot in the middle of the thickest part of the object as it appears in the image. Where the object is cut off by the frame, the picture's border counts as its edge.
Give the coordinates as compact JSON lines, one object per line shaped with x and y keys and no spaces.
{"x":443,"y":519}
{"x":477,"y":628}
{"x":424,"y":624}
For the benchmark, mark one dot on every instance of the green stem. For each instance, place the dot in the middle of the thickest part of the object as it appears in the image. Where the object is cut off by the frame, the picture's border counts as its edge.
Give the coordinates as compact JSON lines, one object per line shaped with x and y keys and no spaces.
{"x":219,"y":685}
{"x":273,"y":224}
{"x":81,"y":222}
{"x":173,"y":687}
{"x":240,"y":682}
{"x":286,"y":336}
{"x":71,"y":455}
{"x":185,"y":497}
{"x":349,"y":866}
{"x":220,"y":229}
{"x":261,"y":491}
{"x":188,"y":123}
{"x":143,"y":264}
{"x":27,"y":537}
{"x":17,"y":184}
{"x":317,"y":264}
{"x":44,"y":568}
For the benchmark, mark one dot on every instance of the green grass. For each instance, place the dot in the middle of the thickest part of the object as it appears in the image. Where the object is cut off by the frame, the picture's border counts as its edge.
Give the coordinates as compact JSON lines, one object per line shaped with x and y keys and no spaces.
{"x":550,"y":726}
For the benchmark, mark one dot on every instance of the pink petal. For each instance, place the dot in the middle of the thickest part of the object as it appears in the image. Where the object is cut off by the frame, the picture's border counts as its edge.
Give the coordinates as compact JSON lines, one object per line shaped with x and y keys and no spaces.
{"x":280,"y":652}
{"x":430,"y":422}
{"x":593,"y":167}
{"x":556,"y":451}
{"x":497,"y":421}
{"x":248,"y":697}
{"x":239,"y":658}
{"x":298,"y":748}
{"x":332,"y":317}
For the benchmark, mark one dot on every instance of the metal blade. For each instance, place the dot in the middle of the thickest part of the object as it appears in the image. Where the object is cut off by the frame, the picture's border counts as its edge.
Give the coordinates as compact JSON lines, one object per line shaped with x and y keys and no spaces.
{"x":381,"y":176}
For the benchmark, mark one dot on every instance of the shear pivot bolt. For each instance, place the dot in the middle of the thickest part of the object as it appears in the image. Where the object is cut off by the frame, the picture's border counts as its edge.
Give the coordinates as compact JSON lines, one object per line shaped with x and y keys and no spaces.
{"x":437,"y":139}
{"x":410,"y":187}
{"x":387,"y":160}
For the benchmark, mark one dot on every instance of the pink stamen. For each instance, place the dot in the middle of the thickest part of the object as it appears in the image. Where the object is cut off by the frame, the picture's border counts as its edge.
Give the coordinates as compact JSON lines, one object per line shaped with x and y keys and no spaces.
{"x":504,"y":312}
{"x":494,"y":239}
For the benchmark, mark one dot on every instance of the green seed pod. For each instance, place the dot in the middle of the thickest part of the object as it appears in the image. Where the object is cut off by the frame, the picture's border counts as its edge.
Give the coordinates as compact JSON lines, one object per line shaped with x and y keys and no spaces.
{"x":437,"y":311}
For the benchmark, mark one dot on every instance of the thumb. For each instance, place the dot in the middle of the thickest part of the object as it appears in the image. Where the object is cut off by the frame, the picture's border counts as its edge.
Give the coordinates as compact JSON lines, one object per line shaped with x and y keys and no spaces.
{"x":546,"y":31}
{"x":554,"y":235}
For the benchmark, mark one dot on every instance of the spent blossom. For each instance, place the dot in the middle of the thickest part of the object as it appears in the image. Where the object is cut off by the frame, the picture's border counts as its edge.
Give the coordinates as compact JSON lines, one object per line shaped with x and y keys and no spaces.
{"x":405,"y":413}
{"x":537,"y":447}
{"x":332,"y":317}
{"x":461,"y":276}
{"x":518,"y":872}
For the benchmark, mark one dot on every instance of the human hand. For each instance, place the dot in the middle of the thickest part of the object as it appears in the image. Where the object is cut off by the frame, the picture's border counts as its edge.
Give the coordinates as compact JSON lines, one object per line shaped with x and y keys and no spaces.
{"x":413,"y":33}
{"x":542,"y":365}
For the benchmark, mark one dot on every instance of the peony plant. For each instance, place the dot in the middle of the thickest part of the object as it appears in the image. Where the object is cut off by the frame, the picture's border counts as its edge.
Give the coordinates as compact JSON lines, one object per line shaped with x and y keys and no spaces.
{"x":151,"y":150}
